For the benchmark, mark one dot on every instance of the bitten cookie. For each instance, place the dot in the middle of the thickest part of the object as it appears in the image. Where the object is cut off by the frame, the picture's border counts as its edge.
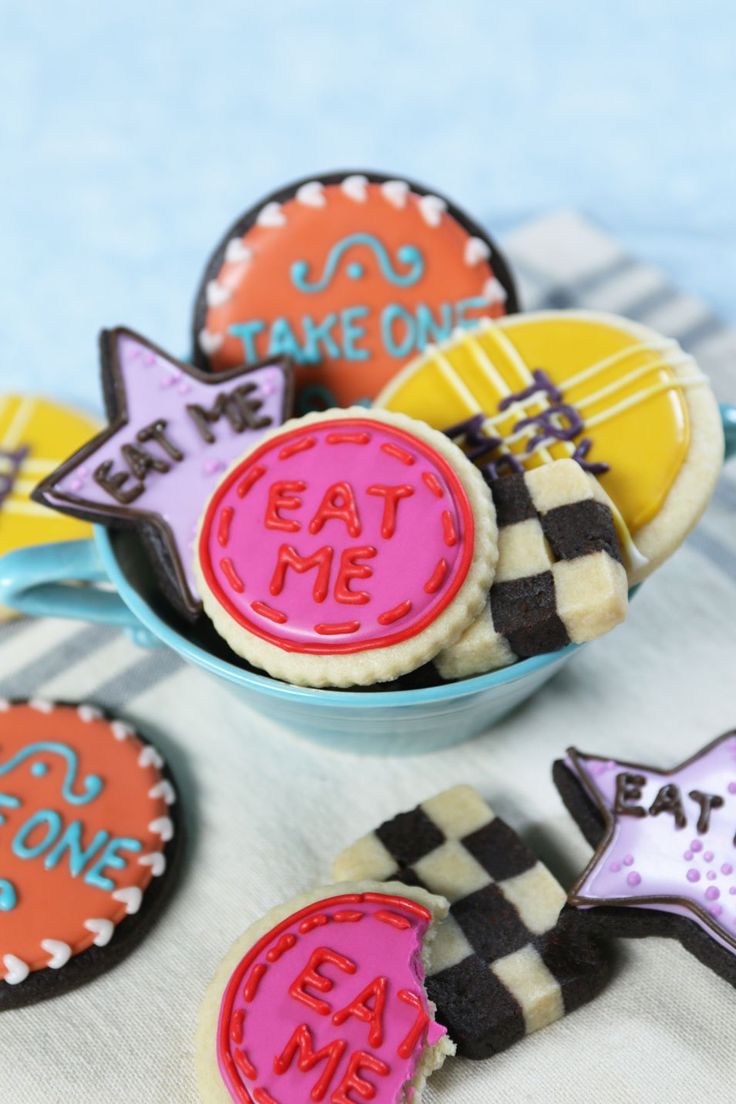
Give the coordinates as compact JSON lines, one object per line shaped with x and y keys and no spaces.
{"x":510,"y":958}
{"x":323,"y":999}
{"x":625,"y":402}
{"x":35,"y":436}
{"x":665,"y":858}
{"x":173,"y":431}
{"x":559,"y":577}
{"x":89,"y":845}
{"x":347,"y":548}
{"x":349,"y":275}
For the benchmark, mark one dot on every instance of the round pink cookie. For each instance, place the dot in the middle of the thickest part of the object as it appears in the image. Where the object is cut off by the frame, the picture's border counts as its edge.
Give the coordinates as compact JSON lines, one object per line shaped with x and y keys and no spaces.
{"x":324,"y":1000}
{"x":347,"y":548}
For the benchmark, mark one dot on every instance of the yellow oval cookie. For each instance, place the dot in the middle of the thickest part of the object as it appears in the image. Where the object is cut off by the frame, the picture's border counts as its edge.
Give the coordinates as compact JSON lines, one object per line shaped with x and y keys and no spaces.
{"x":36,"y":435}
{"x":636,"y":396}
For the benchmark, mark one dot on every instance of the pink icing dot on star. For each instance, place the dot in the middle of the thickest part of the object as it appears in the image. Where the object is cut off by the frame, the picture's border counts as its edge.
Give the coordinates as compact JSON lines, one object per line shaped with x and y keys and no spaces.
{"x":211,"y":467}
{"x":687,"y":856}
{"x":615,"y":867}
{"x":708,"y":856}
{"x":628,"y":860}
{"x":633,"y":879}
{"x":696,"y":845}
{"x":716,"y":910}
{"x":712,"y":893}
{"x":149,"y":358}
{"x":693,"y":875}
{"x":726,"y":868}
{"x":732,"y":787}
{"x":711,"y":875}
{"x":184,"y":388}
{"x":732,"y":891}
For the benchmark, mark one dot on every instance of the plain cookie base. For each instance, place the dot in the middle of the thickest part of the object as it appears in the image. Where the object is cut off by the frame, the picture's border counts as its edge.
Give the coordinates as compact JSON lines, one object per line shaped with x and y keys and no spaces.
{"x":211,"y":1086}
{"x":363,"y":668}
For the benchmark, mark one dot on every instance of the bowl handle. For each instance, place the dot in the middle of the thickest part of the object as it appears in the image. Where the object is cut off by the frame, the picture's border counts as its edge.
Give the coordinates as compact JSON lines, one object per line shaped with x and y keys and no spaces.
{"x":728,"y":415}
{"x":44,"y":581}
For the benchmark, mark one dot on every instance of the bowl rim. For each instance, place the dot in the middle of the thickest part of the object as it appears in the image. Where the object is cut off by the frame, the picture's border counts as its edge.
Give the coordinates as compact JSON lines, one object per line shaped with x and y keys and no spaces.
{"x":264,"y":684}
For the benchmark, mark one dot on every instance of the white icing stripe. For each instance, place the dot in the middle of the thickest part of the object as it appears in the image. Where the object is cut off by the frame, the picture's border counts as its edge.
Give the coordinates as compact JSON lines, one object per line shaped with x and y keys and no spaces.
{"x":16,"y":970}
{"x":432,"y":208}
{"x":311,"y":194}
{"x":59,"y":953}
{"x":271,"y":215}
{"x":355,"y":187}
{"x":642,"y":396}
{"x":217,"y":294}
{"x":163,"y":827}
{"x":622,"y":381}
{"x":663,"y":346}
{"x":103,"y":930}
{"x":165,"y":790}
{"x":16,"y":429}
{"x":237,"y":252}
{"x":130,"y":896}
{"x":210,"y":342}
{"x":157,"y":862}
{"x":396,"y":192}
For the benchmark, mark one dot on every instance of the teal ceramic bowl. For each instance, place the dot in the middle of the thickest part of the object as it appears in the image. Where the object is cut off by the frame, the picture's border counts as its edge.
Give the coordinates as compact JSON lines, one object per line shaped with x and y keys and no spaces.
{"x":415,"y":718}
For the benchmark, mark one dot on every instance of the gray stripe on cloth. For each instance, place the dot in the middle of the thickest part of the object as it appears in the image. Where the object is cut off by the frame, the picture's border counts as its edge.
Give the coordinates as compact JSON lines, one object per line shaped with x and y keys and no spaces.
{"x":714,"y":550}
{"x":49,"y":663}
{"x":153,"y":667}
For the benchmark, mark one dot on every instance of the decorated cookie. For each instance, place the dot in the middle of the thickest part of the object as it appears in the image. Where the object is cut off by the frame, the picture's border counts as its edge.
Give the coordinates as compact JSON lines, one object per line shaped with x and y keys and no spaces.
{"x":346,"y":548}
{"x":507,"y":961}
{"x":88,"y":845}
{"x":665,"y":858}
{"x":350,"y":276}
{"x":35,"y":436}
{"x":323,"y":1000}
{"x":559,"y":577}
{"x":173,"y":431}
{"x":628,"y":404}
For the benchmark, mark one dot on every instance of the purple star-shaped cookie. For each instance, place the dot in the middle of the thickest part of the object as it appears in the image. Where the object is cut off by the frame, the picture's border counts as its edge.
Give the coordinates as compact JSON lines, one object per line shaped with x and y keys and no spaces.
{"x":665,"y":859}
{"x":173,"y":430}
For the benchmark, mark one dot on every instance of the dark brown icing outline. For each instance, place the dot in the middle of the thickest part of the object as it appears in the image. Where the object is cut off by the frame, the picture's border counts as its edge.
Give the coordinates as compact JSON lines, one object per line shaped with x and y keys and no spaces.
{"x":587,"y":808}
{"x":155,"y":532}
{"x":241,"y":226}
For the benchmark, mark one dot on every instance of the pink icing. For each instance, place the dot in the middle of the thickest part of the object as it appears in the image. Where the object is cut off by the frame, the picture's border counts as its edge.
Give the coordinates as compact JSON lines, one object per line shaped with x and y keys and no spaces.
{"x":668,"y":877}
{"x":407,"y":549}
{"x":155,"y":387}
{"x":359,"y":942}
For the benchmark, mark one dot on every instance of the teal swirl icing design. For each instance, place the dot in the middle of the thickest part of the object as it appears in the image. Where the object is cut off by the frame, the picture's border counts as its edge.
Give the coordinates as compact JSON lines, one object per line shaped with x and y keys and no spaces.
{"x":406,"y":255}
{"x":8,"y":895}
{"x":91,"y":785}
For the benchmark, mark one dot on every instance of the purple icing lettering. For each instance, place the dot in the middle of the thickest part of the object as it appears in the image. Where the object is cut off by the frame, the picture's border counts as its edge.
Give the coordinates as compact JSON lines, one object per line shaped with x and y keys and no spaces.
{"x":541,"y":384}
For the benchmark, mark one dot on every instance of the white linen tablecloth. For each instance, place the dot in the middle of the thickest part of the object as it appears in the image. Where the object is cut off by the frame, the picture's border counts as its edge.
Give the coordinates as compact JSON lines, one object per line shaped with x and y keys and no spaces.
{"x":267,"y":811}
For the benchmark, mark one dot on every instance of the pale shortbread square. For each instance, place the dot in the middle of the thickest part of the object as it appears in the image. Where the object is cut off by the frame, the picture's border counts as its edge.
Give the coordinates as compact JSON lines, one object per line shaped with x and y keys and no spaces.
{"x":537,"y":897}
{"x":451,"y":872}
{"x":522,"y":551}
{"x":367,"y":857}
{"x":591,"y":595}
{"x":458,"y":812}
{"x":450,"y":946}
{"x":558,"y":484}
{"x":527,"y":978}
{"x":478,"y":650}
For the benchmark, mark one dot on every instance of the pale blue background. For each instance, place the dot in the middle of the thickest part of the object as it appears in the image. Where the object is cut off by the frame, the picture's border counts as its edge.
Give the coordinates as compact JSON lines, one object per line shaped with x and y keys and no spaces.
{"x":132,"y":134}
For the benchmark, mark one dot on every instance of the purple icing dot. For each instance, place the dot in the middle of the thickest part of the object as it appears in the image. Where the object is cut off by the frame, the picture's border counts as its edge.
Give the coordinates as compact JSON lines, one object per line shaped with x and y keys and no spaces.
{"x":633,"y":879}
{"x":628,"y":860}
{"x":77,"y":484}
{"x":149,"y":358}
{"x":184,"y":388}
{"x":597,"y":768}
{"x":708,"y":856}
{"x":687,"y":856}
{"x":696,"y":845}
{"x":210,"y":467}
{"x":726,"y":869}
{"x":712,"y":893}
{"x":711,"y":875}
{"x":693,"y":875}
{"x":732,"y":787}
{"x":716,"y":910}
{"x":615,"y":867}
{"x":732,"y":891}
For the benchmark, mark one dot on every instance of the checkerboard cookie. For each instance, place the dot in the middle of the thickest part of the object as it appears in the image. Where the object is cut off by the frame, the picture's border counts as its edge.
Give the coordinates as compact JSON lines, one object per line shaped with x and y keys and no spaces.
{"x":323,"y":1000}
{"x":510,"y":958}
{"x":559,"y":578}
